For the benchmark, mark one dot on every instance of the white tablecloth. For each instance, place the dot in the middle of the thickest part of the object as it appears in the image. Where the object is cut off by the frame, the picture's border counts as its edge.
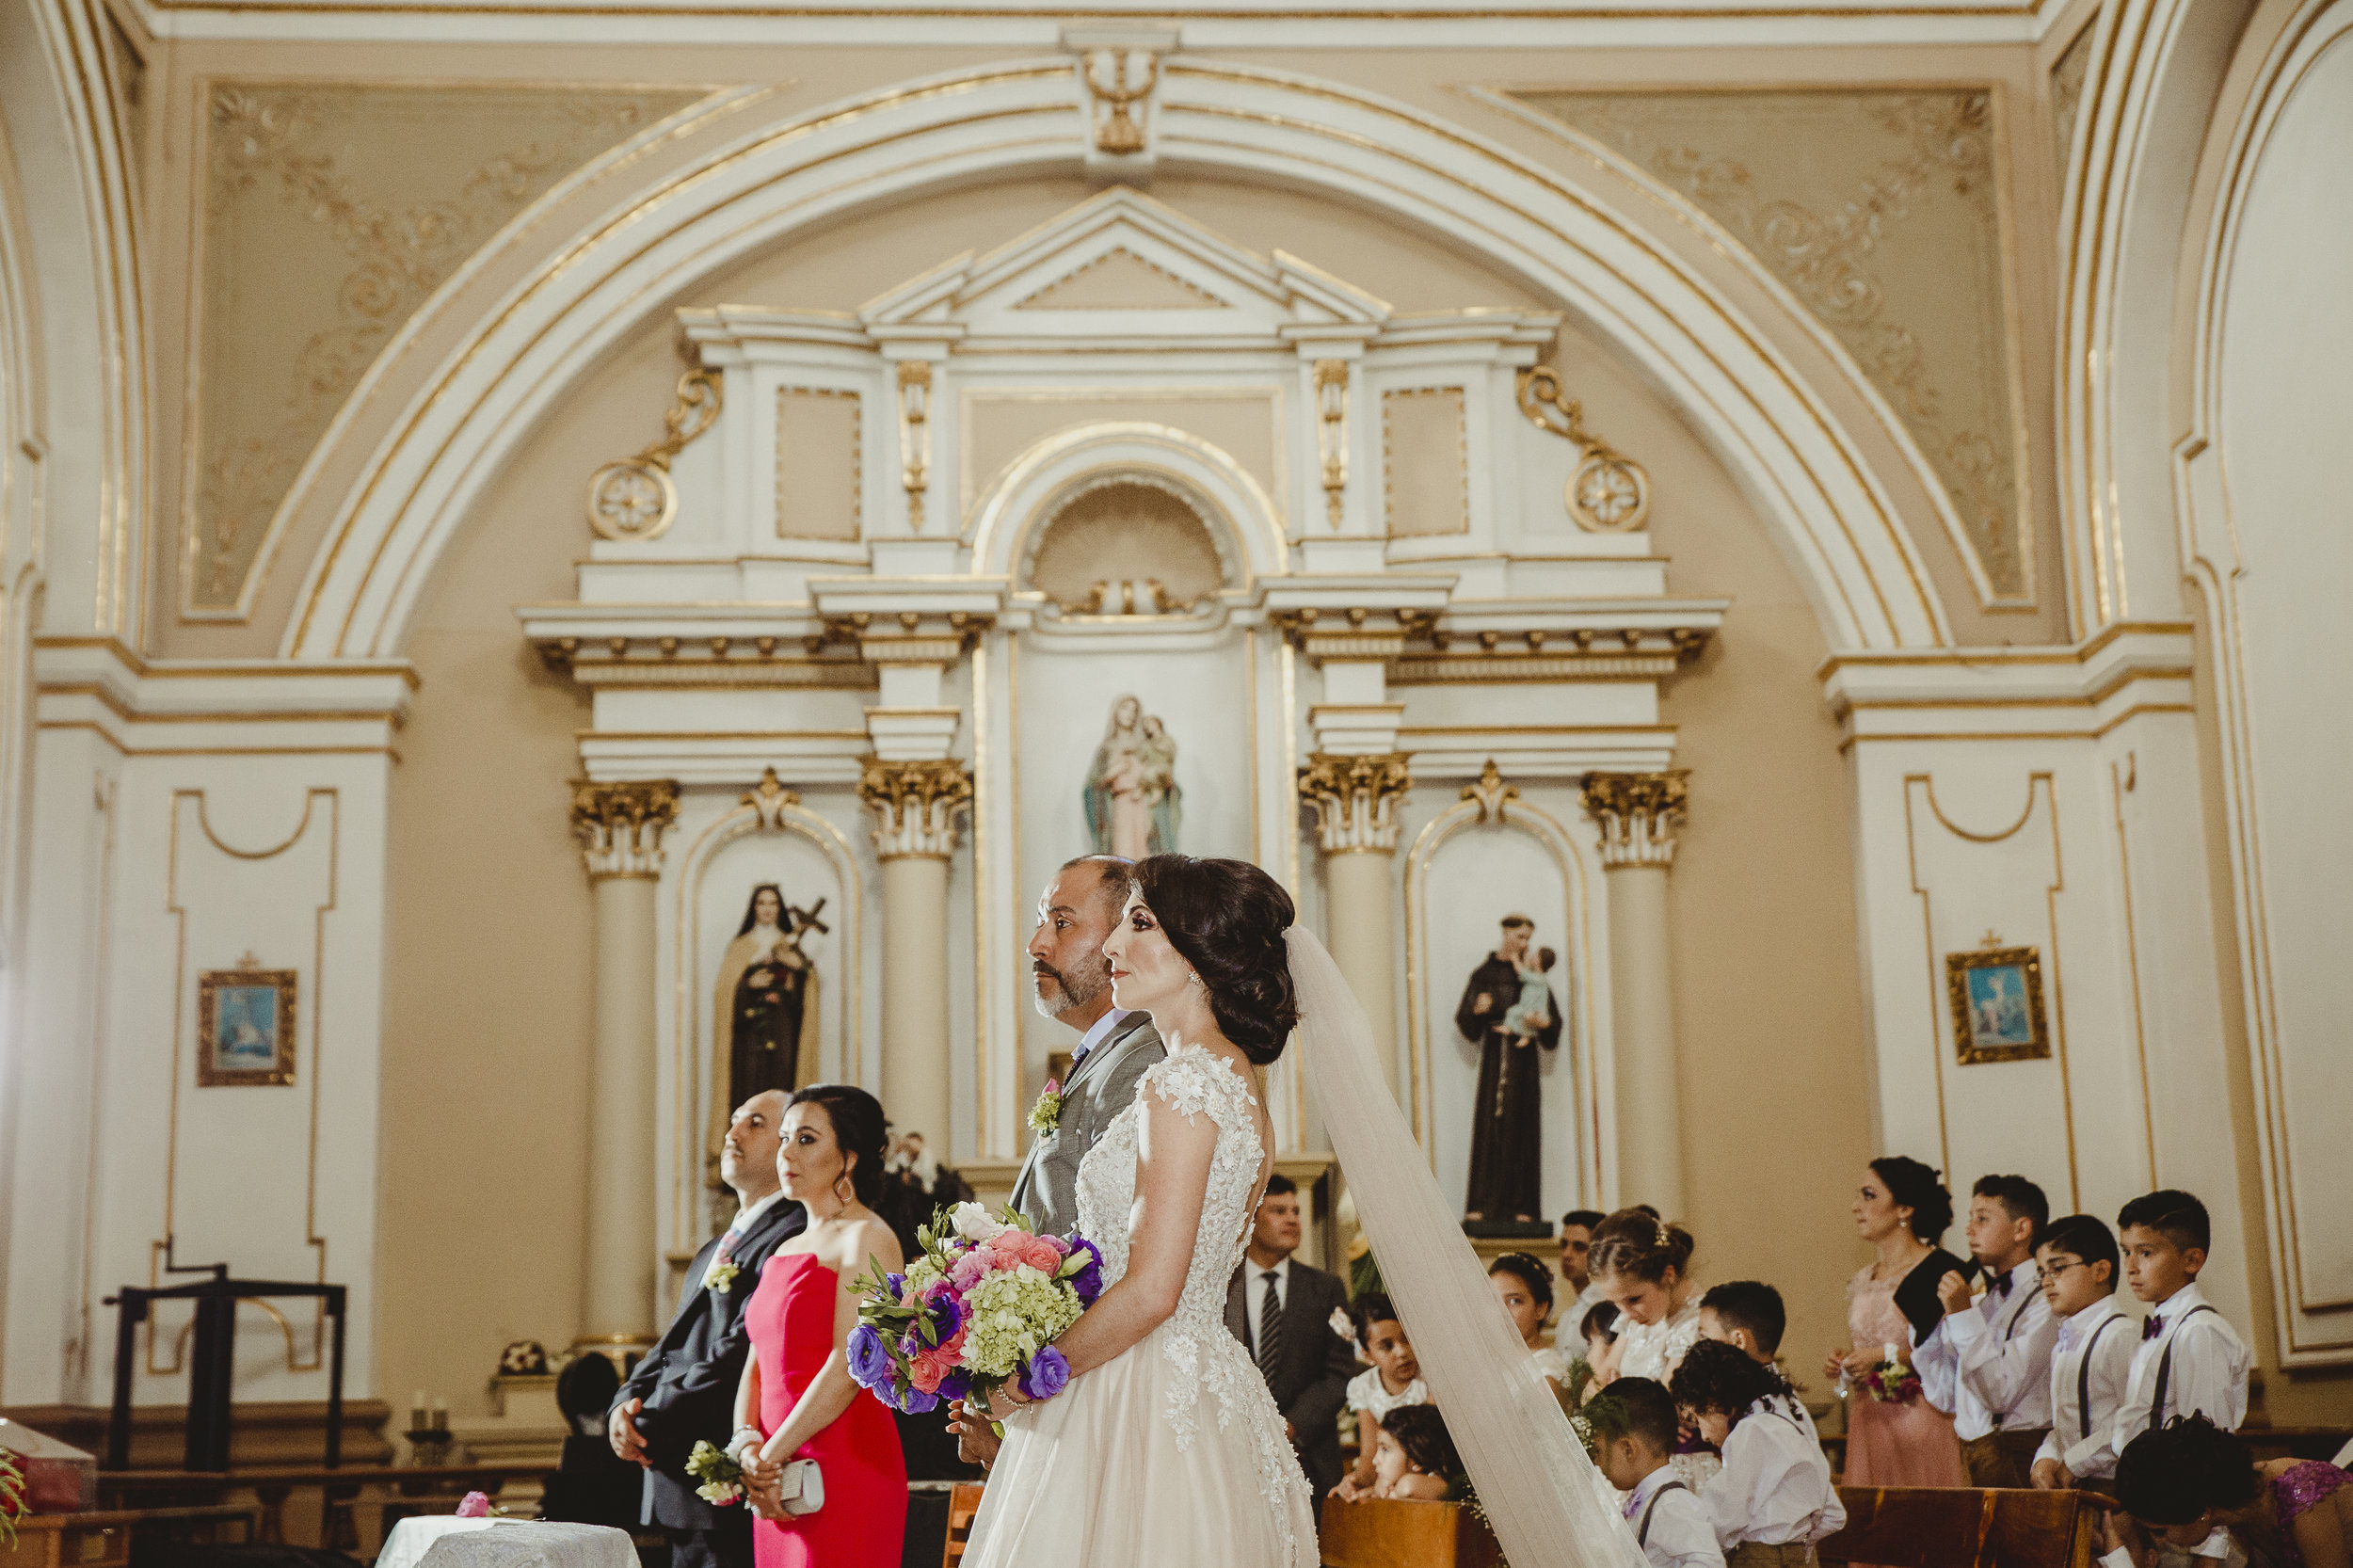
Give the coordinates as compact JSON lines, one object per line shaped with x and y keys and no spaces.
{"x":439,"y":1540}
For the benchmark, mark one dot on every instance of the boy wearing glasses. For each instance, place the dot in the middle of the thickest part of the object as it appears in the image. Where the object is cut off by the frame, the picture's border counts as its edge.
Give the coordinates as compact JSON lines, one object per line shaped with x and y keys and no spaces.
{"x":2094,"y":1359}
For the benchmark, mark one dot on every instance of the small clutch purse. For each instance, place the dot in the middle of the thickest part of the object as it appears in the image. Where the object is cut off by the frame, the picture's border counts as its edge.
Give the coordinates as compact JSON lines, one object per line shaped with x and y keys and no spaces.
{"x":803,"y":1489}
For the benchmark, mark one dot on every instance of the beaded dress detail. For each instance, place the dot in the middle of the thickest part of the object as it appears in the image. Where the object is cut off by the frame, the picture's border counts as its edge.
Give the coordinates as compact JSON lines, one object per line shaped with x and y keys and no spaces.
{"x":1122,"y":1468}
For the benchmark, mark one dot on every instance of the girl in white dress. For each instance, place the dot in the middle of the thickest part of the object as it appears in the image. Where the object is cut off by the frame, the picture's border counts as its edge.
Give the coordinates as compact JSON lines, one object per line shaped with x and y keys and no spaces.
{"x":1165,"y":1448}
{"x":1391,"y":1382}
{"x":1643,"y":1263}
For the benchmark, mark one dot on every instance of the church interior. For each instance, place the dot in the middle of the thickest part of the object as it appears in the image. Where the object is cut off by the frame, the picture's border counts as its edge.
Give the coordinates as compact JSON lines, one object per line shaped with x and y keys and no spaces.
{"x":567,"y":562}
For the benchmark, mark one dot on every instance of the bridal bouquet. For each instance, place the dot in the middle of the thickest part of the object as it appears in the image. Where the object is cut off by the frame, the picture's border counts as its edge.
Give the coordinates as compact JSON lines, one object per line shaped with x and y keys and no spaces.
{"x":979,"y":1307}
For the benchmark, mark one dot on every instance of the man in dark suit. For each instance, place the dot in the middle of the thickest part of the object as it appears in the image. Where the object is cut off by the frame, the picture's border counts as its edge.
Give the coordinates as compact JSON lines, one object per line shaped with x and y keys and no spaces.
{"x":684,"y":1389}
{"x":1281,"y":1309}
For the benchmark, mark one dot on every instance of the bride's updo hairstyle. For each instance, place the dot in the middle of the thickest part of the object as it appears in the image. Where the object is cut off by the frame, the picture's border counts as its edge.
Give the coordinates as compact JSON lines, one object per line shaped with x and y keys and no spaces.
{"x":1226,"y":918}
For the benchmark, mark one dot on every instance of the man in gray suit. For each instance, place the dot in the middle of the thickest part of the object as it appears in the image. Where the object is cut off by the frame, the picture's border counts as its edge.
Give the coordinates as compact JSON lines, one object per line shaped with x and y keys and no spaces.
{"x":1073,"y":982}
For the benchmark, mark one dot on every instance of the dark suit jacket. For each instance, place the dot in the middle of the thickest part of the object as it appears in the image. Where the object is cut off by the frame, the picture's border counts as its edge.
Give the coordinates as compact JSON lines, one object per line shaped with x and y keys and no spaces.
{"x":1310,"y":1384}
{"x":689,"y":1380}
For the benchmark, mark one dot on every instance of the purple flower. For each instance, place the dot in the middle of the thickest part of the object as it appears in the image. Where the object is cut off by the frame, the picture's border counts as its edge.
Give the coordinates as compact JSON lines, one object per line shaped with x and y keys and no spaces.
{"x":896,"y":1285}
{"x":956,"y":1385}
{"x":1046,"y":1374}
{"x":946,"y":1313}
{"x":870,"y":1360}
{"x":916,"y":1402}
{"x":1088,"y":1281}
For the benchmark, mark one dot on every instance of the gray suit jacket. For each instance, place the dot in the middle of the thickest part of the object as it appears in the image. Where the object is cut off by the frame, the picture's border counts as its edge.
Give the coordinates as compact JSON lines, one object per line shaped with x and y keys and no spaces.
{"x":1104,"y":1086}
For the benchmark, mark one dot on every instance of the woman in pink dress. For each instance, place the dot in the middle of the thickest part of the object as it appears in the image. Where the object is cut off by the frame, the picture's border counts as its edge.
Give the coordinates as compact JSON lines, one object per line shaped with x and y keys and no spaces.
{"x":1891,"y":1306}
{"x":796,"y":1401}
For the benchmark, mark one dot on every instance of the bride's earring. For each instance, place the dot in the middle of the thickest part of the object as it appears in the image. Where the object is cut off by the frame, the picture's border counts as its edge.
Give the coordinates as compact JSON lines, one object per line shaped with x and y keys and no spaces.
{"x":1193,"y":977}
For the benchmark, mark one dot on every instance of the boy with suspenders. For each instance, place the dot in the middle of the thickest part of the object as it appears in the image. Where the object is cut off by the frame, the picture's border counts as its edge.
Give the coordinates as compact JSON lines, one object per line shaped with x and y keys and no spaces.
{"x":2190,"y":1359}
{"x":2091,"y":1363}
{"x":1635,"y":1432}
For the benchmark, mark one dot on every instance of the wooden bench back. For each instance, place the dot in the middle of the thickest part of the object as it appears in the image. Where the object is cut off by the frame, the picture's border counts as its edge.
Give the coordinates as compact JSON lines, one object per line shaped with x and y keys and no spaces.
{"x":1926,"y":1527}
{"x":963,"y":1503}
{"x":1377,"y":1533}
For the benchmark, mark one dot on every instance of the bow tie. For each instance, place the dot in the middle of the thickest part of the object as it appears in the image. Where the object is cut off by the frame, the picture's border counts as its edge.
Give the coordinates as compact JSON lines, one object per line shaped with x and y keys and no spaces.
{"x":2150,"y":1327}
{"x":1633,"y":1502}
{"x":1997,"y":1284}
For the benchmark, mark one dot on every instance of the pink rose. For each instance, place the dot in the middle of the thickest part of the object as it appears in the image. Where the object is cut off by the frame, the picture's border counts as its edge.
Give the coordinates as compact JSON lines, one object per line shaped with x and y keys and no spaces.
{"x":970,"y":1270}
{"x":925,"y":1373}
{"x":1043,"y":1254}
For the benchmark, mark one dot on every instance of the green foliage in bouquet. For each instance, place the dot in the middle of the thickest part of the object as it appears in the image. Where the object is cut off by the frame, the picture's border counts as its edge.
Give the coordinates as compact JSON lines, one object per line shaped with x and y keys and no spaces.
{"x":721,"y":1477}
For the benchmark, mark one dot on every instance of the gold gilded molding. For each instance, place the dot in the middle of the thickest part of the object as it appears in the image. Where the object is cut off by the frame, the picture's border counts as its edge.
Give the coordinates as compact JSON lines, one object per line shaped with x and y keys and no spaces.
{"x":1118,"y":132}
{"x":635,"y":498}
{"x":1638,"y":814}
{"x":2068,"y":74}
{"x":1332,"y":433}
{"x":915,"y":804}
{"x":1403,"y":401}
{"x":1884,"y":211}
{"x":331,"y":211}
{"x":1609,"y":493}
{"x":621,"y":825}
{"x":1356,"y":800}
{"x":1097,"y":286}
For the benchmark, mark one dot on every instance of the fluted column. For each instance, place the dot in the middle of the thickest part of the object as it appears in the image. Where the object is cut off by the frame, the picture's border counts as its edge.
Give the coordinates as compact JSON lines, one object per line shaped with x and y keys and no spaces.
{"x":1637,"y":813}
{"x":915,"y":803}
{"x":620,"y":827}
{"x":1356,"y":800}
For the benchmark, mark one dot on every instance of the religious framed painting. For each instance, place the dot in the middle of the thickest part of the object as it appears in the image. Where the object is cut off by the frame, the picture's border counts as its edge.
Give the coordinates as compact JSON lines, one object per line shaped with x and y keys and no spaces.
{"x":244,"y":1026}
{"x":1997,"y":995}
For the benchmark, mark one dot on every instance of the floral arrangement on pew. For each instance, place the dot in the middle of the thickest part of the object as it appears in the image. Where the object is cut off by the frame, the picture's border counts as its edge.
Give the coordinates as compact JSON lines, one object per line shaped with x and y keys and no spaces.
{"x":978,"y":1309}
{"x":12,"y":1503}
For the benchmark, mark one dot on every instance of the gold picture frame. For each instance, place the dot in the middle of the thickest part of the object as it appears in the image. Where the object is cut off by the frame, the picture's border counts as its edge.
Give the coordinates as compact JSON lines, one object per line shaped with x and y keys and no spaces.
{"x":1996,"y":996}
{"x":245,"y":1027}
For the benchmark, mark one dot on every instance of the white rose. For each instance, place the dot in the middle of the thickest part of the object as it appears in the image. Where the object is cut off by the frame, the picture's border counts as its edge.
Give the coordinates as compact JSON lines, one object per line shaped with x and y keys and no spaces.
{"x":974,"y":1224}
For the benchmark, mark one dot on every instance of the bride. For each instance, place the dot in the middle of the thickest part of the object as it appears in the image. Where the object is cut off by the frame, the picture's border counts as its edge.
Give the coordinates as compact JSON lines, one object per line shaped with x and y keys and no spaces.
{"x":1164,"y":1447}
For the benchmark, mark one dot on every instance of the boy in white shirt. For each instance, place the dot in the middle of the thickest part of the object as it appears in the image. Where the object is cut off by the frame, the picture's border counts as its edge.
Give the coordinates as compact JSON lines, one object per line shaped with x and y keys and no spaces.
{"x":2091,"y":1359}
{"x":1634,"y":1424}
{"x":1748,"y":1314}
{"x":1773,"y":1500}
{"x":1989,"y":1360}
{"x":2190,"y":1359}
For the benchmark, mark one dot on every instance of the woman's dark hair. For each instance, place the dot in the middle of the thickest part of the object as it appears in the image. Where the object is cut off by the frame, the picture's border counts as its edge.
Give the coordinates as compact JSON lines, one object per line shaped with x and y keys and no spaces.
{"x":1369,"y":1310}
{"x":2172,"y":1476}
{"x":1226,"y":918}
{"x":858,"y":1127}
{"x":1602,"y":1320}
{"x":1714,"y":1376}
{"x":1914,"y":1186}
{"x":1420,"y":1431}
{"x":751,"y":909}
{"x":1636,"y":1243}
{"x":1529,"y":1272}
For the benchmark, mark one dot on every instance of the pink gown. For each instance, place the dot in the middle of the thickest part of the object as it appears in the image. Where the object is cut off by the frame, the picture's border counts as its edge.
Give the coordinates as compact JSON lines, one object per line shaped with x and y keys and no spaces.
{"x":1893,"y":1445}
{"x":864,"y":1521}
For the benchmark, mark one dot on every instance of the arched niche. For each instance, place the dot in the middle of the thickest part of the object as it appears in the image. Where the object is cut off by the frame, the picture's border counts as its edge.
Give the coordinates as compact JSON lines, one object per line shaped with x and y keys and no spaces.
{"x":771,"y":840}
{"x":1126,"y":542}
{"x":1489,"y":855}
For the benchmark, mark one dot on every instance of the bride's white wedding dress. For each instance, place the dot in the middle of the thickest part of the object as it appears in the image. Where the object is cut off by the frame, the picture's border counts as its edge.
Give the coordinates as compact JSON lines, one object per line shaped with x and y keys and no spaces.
{"x":1171,"y":1453}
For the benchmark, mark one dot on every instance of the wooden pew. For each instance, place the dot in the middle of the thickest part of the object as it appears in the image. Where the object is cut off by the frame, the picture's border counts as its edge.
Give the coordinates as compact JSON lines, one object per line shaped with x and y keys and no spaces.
{"x":106,"y":1539}
{"x":1926,"y":1527}
{"x":1376,"y":1533}
{"x":963,"y":1503}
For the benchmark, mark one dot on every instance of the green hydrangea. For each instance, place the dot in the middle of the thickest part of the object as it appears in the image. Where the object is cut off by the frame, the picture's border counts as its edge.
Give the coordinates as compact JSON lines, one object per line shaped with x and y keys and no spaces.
{"x":923,"y":1274}
{"x":1013,"y":1314}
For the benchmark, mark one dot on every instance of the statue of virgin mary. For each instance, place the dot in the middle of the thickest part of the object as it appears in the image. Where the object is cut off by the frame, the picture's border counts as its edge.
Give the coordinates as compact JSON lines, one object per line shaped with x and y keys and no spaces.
{"x":1131,"y":796}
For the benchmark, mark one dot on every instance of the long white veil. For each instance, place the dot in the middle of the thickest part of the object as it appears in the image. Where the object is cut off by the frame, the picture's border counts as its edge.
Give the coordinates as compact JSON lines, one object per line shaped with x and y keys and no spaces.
{"x":1547,"y":1503}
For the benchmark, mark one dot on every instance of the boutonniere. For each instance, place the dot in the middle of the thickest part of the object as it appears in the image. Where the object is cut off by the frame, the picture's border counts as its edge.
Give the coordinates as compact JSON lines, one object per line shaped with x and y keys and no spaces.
{"x":721,"y":1275}
{"x":1046,"y":1115}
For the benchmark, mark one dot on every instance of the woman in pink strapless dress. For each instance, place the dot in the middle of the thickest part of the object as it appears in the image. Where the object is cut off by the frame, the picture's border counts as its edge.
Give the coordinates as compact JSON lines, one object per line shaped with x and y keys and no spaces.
{"x":796,"y":1401}
{"x":1901,"y":1209}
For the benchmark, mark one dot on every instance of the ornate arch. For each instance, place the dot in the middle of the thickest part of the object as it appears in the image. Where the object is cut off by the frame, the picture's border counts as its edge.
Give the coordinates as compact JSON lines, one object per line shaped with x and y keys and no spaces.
{"x":1828,"y":513}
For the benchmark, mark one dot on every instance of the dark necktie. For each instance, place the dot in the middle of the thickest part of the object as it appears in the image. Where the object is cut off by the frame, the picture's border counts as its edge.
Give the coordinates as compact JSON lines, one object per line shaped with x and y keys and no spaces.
{"x":2150,"y":1327}
{"x":1269,"y":1326}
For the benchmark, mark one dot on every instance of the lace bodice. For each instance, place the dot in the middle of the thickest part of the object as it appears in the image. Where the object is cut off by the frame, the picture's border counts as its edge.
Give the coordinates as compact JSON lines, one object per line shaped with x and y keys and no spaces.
{"x":1205,"y":1358}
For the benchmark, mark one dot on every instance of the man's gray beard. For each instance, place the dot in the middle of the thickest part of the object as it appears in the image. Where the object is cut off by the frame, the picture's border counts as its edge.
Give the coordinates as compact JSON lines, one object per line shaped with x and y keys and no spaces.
{"x":1062,"y":997}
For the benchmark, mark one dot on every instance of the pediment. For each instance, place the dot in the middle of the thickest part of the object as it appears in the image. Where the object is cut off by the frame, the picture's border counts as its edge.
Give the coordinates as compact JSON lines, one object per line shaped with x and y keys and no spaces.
{"x":1121,"y":266}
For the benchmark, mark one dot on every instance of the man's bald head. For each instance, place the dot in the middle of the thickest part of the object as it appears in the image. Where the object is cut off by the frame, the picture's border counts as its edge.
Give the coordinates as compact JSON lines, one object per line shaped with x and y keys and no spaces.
{"x":748,"y":1159}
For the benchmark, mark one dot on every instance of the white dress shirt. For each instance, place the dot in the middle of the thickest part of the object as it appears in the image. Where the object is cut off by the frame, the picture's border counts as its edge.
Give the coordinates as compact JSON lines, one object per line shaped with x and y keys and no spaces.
{"x":2079,"y":1437}
{"x":1775,"y":1484}
{"x":2209,"y":1373}
{"x":1096,"y":1033}
{"x":1677,"y":1533}
{"x":1990,"y":1364}
{"x":745,"y":1215}
{"x":1254,"y":1288}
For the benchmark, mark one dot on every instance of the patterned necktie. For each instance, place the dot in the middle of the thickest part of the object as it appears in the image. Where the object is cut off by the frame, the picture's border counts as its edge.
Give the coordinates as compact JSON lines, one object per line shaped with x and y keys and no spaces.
{"x":1269,"y":1326}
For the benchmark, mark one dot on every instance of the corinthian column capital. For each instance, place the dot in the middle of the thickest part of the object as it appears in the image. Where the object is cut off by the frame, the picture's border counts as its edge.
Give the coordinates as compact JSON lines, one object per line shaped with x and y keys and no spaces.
{"x":1356,"y":800}
{"x":1637,"y":812}
{"x":916,"y":804}
{"x":619,"y":825}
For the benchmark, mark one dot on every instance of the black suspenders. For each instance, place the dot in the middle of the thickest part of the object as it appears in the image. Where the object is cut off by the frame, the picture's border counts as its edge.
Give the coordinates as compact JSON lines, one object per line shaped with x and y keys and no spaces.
{"x":1641,"y":1535}
{"x":2165,"y":1367}
{"x":2083,"y":1373}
